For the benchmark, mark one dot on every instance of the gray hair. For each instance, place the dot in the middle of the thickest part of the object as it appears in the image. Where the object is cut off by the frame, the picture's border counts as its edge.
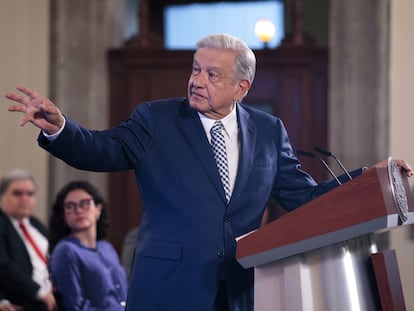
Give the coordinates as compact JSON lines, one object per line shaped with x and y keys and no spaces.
{"x":245,"y":58}
{"x":13,"y":175}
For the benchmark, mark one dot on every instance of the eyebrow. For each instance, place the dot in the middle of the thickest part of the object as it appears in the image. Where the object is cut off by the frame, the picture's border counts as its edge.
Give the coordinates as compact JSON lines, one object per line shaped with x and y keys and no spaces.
{"x":217,"y":68}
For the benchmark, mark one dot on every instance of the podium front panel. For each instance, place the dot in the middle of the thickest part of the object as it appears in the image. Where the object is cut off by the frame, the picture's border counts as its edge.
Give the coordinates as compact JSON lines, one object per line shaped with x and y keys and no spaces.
{"x":338,"y":277}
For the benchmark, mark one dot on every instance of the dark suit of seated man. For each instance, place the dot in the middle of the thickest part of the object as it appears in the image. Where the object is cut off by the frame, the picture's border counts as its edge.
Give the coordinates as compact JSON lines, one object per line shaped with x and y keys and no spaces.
{"x":6,"y":305}
{"x":24,"y":277}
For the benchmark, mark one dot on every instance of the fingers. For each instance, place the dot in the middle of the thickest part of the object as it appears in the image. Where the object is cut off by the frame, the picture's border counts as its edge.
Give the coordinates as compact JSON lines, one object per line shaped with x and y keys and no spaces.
{"x":25,"y":100}
{"x":26,"y":118}
{"x":17,"y":98}
{"x":29,"y":92}
{"x":23,"y":108}
{"x":49,"y":301}
{"x":406,"y":167}
{"x":18,"y":108}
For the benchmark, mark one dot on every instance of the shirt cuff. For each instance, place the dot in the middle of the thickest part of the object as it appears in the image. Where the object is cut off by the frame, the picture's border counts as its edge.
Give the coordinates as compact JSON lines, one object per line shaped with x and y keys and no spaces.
{"x":52,"y":137}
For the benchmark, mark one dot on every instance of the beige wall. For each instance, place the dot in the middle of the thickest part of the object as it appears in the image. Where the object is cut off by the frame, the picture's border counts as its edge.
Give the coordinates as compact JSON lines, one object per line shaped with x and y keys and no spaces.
{"x":401,"y":124}
{"x":24,"y":58}
{"x":402,"y":80}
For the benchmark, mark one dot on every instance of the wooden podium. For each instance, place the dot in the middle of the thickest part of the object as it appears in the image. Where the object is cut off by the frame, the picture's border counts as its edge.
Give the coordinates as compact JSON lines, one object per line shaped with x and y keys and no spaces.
{"x":323,"y":256}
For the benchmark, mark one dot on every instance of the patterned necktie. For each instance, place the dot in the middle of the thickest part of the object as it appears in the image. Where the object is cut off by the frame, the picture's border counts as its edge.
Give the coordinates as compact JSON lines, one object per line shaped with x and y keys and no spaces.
{"x":219,"y":150}
{"x":29,"y":238}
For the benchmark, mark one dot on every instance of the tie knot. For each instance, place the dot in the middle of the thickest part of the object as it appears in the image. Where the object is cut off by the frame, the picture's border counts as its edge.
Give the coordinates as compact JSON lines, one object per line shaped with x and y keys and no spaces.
{"x":217,"y":126}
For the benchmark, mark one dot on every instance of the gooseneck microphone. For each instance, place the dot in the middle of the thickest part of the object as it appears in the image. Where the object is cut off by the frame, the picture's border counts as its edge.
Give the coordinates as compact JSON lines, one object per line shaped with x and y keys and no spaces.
{"x":312,"y":155}
{"x":329,"y":154}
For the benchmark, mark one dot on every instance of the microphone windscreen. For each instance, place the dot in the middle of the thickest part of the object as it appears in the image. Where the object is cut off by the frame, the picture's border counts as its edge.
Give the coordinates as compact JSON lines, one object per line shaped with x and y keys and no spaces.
{"x":306,"y":153}
{"x":323,"y":151}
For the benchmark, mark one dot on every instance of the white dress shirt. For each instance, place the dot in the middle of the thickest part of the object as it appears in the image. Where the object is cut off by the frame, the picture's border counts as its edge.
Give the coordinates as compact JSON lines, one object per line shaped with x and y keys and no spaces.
{"x":40,"y":270}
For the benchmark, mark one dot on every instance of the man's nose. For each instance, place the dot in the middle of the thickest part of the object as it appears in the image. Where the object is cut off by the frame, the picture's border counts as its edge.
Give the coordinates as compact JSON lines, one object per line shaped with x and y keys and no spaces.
{"x":200,"y":79}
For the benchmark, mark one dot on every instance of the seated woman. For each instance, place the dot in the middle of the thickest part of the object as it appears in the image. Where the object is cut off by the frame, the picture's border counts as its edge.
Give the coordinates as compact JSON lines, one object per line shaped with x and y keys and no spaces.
{"x":85,"y":269}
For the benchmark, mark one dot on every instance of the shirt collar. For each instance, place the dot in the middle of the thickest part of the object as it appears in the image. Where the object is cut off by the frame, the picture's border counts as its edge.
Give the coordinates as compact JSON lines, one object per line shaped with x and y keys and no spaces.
{"x":229,"y":122}
{"x":16,"y":222}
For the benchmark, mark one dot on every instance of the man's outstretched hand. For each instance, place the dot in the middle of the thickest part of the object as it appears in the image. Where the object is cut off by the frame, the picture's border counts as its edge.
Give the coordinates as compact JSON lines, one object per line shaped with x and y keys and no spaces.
{"x":36,"y":109}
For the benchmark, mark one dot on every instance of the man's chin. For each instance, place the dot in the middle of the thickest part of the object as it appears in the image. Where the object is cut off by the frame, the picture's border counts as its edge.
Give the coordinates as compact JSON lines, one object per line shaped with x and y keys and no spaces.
{"x":197,"y":105}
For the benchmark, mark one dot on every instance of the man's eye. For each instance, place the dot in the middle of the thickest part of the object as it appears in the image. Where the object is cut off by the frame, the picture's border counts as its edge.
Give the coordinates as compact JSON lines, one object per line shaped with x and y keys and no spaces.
{"x":213,"y":76}
{"x":196,"y":70}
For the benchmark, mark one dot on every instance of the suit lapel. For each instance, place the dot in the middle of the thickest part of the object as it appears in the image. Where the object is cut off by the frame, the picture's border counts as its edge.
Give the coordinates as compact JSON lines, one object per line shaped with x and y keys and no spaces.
{"x":247,"y":133}
{"x":194,"y":132}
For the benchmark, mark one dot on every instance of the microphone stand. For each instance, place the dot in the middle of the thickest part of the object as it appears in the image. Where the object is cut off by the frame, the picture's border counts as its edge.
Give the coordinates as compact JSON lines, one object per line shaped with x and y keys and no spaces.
{"x":329,"y":154}
{"x":312,"y":155}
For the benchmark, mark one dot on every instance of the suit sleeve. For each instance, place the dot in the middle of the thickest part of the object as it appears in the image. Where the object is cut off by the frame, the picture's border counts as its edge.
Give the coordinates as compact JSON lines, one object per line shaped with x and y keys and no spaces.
{"x":294,"y":187}
{"x":119,"y":148}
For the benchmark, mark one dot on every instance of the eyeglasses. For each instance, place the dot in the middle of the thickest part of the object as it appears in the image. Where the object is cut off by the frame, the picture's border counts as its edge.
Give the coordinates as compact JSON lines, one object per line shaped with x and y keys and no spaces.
{"x":84,"y":205}
{"x":20,"y":193}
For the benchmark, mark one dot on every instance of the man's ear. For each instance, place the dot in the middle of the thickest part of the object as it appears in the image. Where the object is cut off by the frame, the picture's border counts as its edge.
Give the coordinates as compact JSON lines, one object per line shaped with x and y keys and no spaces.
{"x":243,"y":88}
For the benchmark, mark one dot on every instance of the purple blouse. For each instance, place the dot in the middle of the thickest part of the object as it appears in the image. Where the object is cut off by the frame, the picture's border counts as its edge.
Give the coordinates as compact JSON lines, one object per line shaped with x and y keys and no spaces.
{"x":88,"y":279}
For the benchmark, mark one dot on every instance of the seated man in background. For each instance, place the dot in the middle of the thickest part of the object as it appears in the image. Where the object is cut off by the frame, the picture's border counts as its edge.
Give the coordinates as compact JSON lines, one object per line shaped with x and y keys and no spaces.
{"x":24,"y":277}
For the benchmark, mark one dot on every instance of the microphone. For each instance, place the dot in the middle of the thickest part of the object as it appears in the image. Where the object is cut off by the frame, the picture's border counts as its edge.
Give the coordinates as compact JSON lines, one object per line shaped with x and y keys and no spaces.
{"x":329,"y":154}
{"x":312,"y":155}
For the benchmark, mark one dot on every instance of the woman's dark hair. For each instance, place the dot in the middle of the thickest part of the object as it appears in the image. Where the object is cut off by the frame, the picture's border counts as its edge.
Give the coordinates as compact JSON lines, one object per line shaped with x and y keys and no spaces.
{"x":58,"y":228}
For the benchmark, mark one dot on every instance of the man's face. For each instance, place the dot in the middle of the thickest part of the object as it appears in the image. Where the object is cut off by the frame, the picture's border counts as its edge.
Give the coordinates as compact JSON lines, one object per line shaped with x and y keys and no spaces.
{"x":213,"y":88}
{"x":19,"y":200}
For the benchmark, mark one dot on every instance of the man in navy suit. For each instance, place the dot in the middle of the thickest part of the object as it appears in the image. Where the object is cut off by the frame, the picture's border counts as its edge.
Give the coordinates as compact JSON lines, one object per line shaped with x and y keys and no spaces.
{"x":24,"y":276}
{"x":185,"y":254}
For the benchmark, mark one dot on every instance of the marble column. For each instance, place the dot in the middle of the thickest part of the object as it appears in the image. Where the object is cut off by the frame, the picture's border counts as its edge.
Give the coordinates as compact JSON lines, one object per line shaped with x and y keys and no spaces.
{"x":81,"y":33}
{"x":359,"y":86}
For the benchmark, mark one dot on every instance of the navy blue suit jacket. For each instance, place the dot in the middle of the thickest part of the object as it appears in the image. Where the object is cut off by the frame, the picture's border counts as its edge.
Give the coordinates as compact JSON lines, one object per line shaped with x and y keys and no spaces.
{"x":16,"y":282}
{"x":187,"y":236}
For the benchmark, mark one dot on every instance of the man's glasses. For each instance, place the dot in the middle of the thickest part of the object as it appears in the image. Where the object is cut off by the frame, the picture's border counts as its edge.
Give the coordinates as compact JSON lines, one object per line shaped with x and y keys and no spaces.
{"x":20,"y":193}
{"x":84,"y":205}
